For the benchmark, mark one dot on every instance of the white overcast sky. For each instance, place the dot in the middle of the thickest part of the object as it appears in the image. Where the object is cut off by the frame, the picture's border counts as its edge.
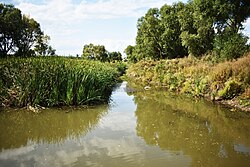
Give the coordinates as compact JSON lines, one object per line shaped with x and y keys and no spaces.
{"x":73,"y":23}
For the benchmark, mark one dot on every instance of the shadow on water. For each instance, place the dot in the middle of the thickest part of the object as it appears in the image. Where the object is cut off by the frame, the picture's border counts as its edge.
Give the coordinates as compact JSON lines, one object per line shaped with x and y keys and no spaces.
{"x":210,"y":134}
{"x":50,"y":126}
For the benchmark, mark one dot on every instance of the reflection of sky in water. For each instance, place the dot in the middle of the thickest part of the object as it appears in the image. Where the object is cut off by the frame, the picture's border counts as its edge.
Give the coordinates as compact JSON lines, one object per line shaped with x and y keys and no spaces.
{"x":112,"y":143}
{"x":92,"y":151}
{"x":121,"y":102}
{"x":242,"y":148}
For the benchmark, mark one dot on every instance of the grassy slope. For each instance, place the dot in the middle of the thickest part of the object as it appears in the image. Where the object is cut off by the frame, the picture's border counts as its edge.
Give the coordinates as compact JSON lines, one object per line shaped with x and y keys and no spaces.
{"x":218,"y":81}
{"x":50,"y":81}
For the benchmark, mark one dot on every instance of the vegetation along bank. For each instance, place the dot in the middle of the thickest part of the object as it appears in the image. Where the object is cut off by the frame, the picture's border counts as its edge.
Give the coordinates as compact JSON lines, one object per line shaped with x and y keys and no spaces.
{"x":28,"y":77}
{"x":228,"y":80}
{"x":197,"y":48}
{"x":53,"y":81}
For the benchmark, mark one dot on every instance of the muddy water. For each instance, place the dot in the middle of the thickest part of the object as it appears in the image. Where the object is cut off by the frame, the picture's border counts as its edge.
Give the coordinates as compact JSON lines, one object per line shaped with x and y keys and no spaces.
{"x":144,"y":128}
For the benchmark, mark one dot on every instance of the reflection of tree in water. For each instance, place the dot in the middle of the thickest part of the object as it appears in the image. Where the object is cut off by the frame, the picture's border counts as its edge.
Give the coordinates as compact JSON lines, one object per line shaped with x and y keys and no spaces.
{"x":51,"y":126}
{"x":197,"y":129}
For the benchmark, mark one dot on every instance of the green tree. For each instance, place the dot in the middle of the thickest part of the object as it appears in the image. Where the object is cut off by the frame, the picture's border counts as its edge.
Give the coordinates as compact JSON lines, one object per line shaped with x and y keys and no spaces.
{"x":149,"y":32}
{"x":88,"y":51}
{"x":229,"y":14}
{"x":42,"y":46}
{"x":19,"y":34}
{"x":197,"y":32}
{"x":230,"y":42}
{"x":194,"y":28}
{"x":30,"y":31}
{"x":230,"y":45}
{"x":130,"y":53}
{"x":10,"y":28}
{"x":51,"y":51}
{"x":115,"y":56}
{"x":170,"y":38}
{"x":101,"y":53}
{"x":227,"y":17}
{"x":95,"y":52}
{"x":158,"y":35}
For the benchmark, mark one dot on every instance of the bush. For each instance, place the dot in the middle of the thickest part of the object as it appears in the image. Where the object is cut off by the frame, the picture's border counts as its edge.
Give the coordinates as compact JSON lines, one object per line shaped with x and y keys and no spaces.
{"x":197,"y":77}
{"x":121,"y":67}
{"x":231,"y":89}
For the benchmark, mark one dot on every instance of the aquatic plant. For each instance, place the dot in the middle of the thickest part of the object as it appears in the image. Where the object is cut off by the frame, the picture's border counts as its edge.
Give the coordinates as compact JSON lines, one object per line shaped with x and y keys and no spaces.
{"x":50,"y":81}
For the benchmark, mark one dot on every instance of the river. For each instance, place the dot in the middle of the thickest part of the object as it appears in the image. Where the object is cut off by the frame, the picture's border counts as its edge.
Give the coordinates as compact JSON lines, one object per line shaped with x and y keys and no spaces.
{"x":143,"y":128}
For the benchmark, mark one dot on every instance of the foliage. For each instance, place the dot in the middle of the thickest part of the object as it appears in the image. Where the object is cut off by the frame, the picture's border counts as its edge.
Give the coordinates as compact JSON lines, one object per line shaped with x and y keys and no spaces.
{"x":230,"y":45}
{"x":129,"y":51}
{"x":231,"y":89}
{"x":196,"y":28}
{"x":10,"y":21}
{"x":95,"y":52}
{"x":98,"y":52}
{"x":42,"y":47}
{"x":170,"y":38}
{"x":194,"y":76}
{"x":50,"y":81}
{"x":158,"y":35}
{"x":148,"y":35}
{"x":229,"y":14}
{"x":20,"y":34}
{"x":114,"y":56}
{"x":120,"y":66}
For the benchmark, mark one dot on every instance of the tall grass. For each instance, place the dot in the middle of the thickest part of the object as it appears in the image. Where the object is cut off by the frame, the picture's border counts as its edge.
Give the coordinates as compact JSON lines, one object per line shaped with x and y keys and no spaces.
{"x":51,"y":81}
{"x":197,"y":77}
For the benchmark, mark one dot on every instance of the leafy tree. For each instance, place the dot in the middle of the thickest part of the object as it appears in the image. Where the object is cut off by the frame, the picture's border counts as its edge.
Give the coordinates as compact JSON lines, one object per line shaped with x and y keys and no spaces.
{"x":41,"y":45}
{"x":51,"y":51}
{"x":230,"y":45}
{"x":101,"y":53}
{"x":95,"y":52}
{"x":158,"y":35}
{"x":88,"y":51}
{"x":227,"y":17}
{"x":148,"y":43}
{"x":98,"y":52}
{"x":170,"y":38}
{"x":130,"y":52}
{"x":115,"y":56}
{"x":197,"y":29}
{"x":21,"y":35}
{"x":229,"y":14}
{"x":30,"y":31}
{"x":10,"y":28}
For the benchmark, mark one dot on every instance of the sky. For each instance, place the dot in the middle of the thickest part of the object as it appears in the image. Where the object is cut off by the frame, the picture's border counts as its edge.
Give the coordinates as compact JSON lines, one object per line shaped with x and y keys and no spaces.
{"x":71,"y":24}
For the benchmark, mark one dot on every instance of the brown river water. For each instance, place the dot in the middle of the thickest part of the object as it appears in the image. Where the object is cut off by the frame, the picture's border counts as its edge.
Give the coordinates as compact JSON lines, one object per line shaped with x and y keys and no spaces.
{"x":141,"y":129}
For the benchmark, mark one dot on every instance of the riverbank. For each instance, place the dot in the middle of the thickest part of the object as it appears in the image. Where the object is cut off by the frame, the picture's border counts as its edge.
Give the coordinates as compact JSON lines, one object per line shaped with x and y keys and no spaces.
{"x":227,"y":82}
{"x":55,"y":81}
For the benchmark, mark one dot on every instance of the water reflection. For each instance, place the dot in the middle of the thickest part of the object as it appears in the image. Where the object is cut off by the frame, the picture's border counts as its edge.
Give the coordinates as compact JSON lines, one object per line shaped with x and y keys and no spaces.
{"x":211,"y":135}
{"x":18,"y":128}
{"x":140,"y":129}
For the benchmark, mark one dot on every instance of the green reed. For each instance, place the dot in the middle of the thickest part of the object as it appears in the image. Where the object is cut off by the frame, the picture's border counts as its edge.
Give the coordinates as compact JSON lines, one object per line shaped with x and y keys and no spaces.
{"x":52,"y":81}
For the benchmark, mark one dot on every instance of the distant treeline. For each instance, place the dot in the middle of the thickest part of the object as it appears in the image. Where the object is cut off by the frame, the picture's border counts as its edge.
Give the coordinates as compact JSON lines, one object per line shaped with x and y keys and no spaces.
{"x":196,"y":28}
{"x":98,"y":52}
